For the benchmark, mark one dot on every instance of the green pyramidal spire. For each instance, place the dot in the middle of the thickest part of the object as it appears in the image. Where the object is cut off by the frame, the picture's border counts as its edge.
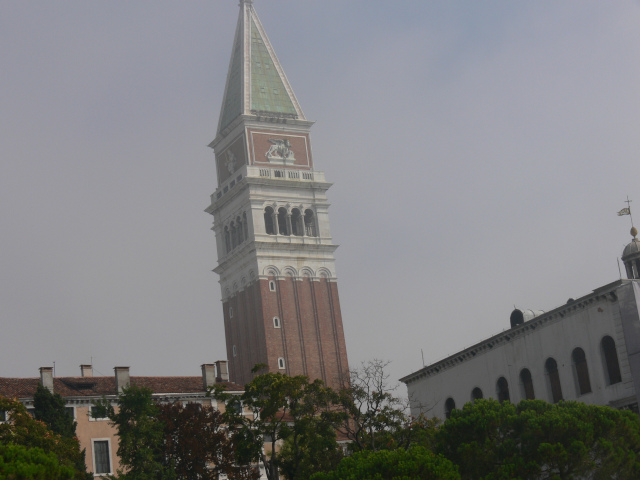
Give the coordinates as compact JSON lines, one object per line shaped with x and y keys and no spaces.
{"x":256,"y":83}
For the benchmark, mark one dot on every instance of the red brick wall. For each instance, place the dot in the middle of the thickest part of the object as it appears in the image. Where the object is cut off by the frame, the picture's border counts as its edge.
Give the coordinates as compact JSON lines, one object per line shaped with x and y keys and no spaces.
{"x":310,"y":339}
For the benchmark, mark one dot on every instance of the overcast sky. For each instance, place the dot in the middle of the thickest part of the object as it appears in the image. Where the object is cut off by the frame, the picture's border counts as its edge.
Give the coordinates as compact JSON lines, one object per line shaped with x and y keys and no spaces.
{"x":479,"y":153}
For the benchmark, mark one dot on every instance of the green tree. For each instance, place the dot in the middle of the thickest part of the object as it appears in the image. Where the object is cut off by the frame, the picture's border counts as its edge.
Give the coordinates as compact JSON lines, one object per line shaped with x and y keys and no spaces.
{"x":23,"y":430}
{"x":171,"y":441}
{"x":21,"y":463}
{"x":416,"y":463}
{"x":537,"y":440}
{"x":51,"y":409}
{"x":140,"y":435}
{"x":275,"y":409}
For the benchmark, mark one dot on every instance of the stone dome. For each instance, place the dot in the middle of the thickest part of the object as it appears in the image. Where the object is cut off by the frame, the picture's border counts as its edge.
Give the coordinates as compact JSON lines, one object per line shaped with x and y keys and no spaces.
{"x":632,"y":249}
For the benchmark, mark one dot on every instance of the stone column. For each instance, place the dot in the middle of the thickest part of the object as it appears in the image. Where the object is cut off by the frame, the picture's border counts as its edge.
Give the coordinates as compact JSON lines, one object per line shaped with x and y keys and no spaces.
{"x":289,"y":229}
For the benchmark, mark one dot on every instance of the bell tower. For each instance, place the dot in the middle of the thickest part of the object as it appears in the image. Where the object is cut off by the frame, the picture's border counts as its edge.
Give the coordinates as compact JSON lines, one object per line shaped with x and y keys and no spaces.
{"x":271,"y":221}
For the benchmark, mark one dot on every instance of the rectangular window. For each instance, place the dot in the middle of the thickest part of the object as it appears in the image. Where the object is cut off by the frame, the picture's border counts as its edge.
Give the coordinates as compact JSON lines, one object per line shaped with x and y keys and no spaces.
{"x":97,"y":414}
{"x":70,"y":411}
{"x":101,"y":458}
{"x":3,"y":416}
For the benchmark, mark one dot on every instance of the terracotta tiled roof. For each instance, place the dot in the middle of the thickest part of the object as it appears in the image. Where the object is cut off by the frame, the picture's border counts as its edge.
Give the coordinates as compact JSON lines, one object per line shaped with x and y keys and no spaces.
{"x":99,"y":386}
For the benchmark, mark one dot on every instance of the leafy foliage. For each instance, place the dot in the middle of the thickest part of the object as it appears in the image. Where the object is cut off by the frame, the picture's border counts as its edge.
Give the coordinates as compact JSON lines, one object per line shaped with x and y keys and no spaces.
{"x":537,"y":440}
{"x":140,"y":435}
{"x":21,"y":463}
{"x":50,"y":409}
{"x":417,"y":463}
{"x":195,"y":443}
{"x":171,"y":441}
{"x":276,"y":408}
{"x":22,"y":430}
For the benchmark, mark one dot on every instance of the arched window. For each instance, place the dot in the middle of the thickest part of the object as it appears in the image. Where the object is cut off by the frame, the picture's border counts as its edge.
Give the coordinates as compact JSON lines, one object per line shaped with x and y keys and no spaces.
{"x":449,"y":406}
{"x":310,"y":223}
{"x":527,"y":384}
{"x":551,"y":368}
{"x":245,"y":226}
{"x":296,"y":222}
{"x":227,"y":239}
{"x":282,"y":222}
{"x":276,"y":322}
{"x":476,"y":394}
{"x":272,"y":286}
{"x":502,"y":389}
{"x":234,"y":235}
{"x":281,"y":363}
{"x":268,"y":221}
{"x":240,"y":230}
{"x":611,"y":361}
{"x":581,"y":371}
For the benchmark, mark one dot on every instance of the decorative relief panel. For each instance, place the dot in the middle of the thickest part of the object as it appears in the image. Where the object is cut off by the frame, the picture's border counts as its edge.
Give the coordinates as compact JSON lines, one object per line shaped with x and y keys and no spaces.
{"x":231,"y":159}
{"x":276,"y":148}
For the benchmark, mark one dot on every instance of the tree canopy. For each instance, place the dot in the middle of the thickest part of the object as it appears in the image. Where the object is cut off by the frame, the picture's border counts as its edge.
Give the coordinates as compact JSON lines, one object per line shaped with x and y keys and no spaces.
{"x":18,"y":462}
{"x":196,"y":445}
{"x":538,"y":440}
{"x":171,"y":441}
{"x":37,"y":443}
{"x":416,"y":463}
{"x":374,"y":416}
{"x":277,"y":409}
{"x":51,"y":409}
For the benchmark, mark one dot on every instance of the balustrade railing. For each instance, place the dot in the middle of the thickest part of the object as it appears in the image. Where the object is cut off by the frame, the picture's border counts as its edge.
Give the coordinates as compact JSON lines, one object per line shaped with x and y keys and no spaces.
{"x":267,"y":172}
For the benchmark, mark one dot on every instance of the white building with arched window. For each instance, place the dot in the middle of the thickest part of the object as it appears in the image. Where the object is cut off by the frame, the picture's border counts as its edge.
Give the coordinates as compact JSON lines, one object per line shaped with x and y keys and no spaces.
{"x":586,"y":350}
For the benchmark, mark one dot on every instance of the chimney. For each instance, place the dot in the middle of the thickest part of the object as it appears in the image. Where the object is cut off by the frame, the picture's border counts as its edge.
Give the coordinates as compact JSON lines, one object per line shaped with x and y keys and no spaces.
{"x":223,"y":370}
{"x":46,"y":378}
{"x":86,"y":370}
{"x":122,"y":378}
{"x":208,"y":375}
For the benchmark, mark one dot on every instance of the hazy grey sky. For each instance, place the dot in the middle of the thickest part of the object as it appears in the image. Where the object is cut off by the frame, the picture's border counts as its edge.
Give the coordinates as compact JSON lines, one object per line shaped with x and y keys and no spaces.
{"x":479,"y":150}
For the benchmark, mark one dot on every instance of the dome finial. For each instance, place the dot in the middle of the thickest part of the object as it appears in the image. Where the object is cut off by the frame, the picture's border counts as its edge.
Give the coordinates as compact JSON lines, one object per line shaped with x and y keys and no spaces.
{"x":634,"y":232}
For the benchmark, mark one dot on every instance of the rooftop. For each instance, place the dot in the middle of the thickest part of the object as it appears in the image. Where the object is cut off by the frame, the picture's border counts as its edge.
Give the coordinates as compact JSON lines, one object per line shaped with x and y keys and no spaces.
{"x":104,"y":386}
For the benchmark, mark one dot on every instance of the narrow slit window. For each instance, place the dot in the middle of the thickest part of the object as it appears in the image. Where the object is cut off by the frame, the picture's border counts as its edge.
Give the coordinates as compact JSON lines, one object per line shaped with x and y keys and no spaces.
{"x":272,"y":286}
{"x":276,"y":322}
{"x":281,"y":363}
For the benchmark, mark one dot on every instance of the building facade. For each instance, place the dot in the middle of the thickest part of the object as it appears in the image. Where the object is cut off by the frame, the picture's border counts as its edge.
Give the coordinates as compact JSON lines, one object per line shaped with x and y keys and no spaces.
{"x":586,"y":350}
{"x":275,"y":252}
{"x":97,"y":436}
